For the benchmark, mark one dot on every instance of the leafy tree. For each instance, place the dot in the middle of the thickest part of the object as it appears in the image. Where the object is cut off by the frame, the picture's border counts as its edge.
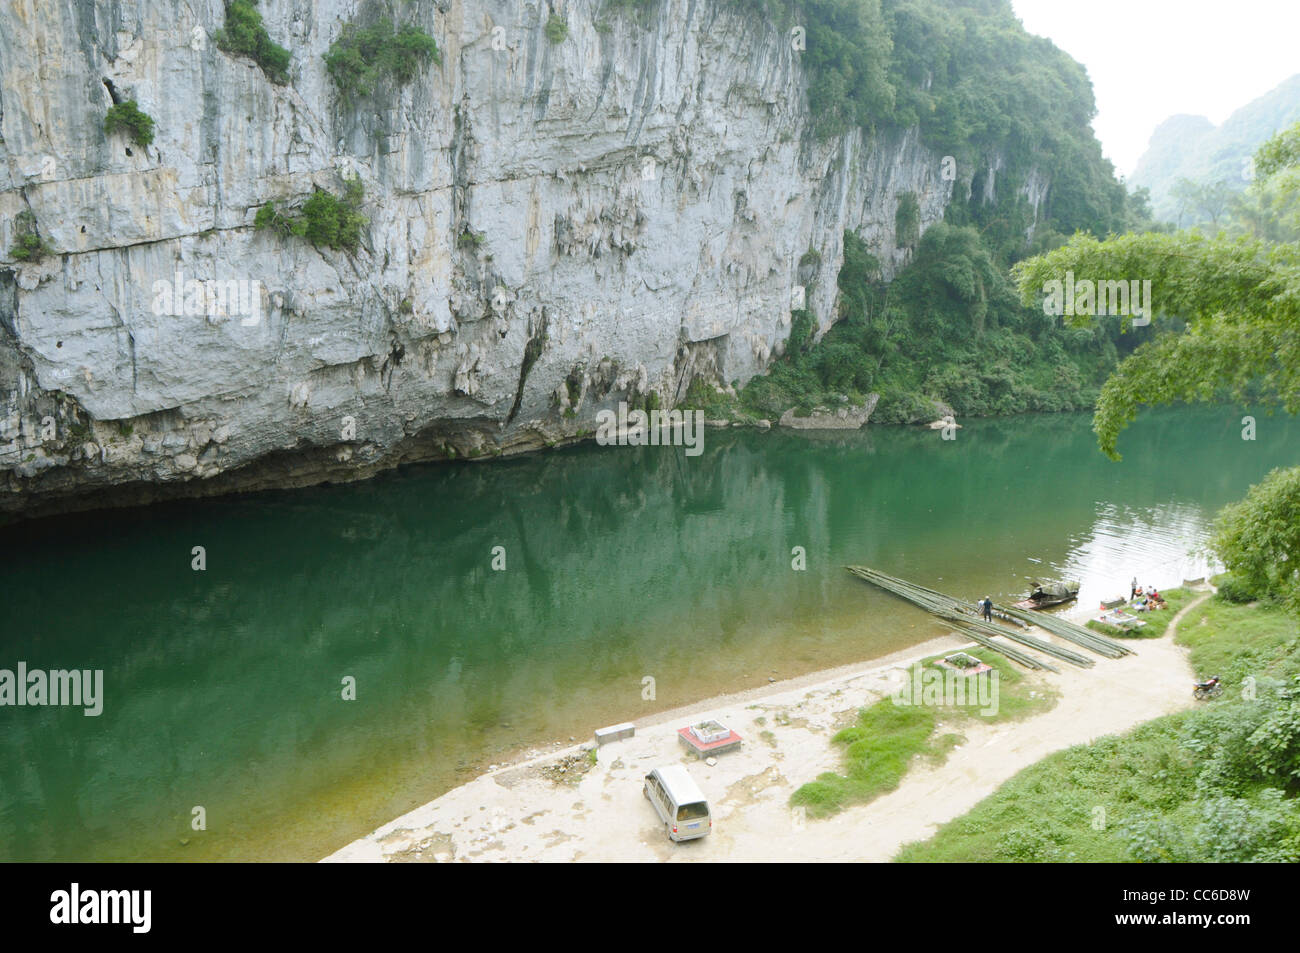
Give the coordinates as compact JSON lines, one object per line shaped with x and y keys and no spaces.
{"x":1241,"y":302}
{"x":1258,"y":539}
{"x":1210,"y":200}
{"x":1280,"y":153}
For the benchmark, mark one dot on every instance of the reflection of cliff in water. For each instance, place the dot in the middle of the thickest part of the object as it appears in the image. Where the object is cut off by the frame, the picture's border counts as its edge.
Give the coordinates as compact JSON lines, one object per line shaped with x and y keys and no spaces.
{"x":222,"y":687}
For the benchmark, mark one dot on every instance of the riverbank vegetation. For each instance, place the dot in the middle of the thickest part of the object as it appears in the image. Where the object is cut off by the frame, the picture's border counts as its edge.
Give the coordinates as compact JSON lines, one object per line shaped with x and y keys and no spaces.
{"x":947,"y":333}
{"x":887,"y":736}
{"x":1258,"y":540}
{"x":1218,"y":782}
{"x":1214,"y":783}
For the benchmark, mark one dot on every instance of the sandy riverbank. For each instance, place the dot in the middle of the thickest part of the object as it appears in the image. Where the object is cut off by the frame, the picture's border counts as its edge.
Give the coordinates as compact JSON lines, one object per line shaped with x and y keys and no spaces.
{"x":597,"y":813}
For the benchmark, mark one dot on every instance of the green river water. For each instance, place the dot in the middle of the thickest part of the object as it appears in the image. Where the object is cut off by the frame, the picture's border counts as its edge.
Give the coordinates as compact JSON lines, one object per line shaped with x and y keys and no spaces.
{"x":223,"y":687}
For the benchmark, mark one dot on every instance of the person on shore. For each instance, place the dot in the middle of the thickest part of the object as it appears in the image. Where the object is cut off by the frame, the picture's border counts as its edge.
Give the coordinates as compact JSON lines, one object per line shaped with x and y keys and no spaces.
{"x":987,"y":608}
{"x":1133,"y":591}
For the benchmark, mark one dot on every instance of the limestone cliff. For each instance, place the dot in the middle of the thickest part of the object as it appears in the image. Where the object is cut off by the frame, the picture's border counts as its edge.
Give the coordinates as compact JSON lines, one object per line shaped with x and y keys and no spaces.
{"x":552,"y":227}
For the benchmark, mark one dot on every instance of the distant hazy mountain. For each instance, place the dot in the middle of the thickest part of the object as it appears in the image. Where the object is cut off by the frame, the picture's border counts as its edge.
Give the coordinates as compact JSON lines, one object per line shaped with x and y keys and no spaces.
{"x":1192,"y":147}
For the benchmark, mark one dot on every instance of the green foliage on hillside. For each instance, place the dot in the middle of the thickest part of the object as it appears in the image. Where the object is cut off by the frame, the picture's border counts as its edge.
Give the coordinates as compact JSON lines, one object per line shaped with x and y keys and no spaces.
{"x":1279,"y":152}
{"x":364,"y":56}
{"x":1191,"y":148}
{"x":244,"y":35}
{"x":128,"y":117}
{"x":949,"y":329}
{"x":907,"y":221}
{"x":325,"y":219}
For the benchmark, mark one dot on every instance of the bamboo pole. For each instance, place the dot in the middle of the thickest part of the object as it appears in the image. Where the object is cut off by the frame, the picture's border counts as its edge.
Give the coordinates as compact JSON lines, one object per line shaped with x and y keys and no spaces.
{"x":958,"y":613}
{"x":1074,"y":633}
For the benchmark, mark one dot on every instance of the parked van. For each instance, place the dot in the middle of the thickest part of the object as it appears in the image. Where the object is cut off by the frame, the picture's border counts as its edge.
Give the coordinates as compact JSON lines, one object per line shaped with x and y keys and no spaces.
{"x":679,"y":802}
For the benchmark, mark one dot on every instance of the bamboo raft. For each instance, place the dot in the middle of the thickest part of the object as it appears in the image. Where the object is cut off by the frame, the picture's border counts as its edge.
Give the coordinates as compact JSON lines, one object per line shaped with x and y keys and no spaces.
{"x":973,"y":625}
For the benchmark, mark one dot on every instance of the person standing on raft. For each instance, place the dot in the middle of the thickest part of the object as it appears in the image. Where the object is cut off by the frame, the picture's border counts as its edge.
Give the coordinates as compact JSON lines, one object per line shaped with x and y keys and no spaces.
{"x":987,"y":608}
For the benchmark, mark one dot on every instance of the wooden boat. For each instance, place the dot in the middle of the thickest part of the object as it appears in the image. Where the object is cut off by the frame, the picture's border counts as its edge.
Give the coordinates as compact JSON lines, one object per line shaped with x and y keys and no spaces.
{"x":1049,"y":594}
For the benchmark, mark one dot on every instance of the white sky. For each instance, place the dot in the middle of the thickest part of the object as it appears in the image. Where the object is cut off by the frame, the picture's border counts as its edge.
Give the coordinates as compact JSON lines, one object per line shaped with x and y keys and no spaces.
{"x":1151,"y":59}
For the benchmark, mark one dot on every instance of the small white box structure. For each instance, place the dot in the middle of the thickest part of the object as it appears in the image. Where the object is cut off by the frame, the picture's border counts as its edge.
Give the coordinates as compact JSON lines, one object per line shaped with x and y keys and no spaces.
{"x":710,"y":731}
{"x":615,"y":732}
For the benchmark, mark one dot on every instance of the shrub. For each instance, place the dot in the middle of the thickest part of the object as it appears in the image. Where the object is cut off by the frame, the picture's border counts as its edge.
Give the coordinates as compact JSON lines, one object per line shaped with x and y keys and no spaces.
{"x":1258,"y":538}
{"x":907,"y":221}
{"x":128,"y":117}
{"x":28,"y":244}
{"x":325,"y":219}
{"x":469,"y":239}
{"x":1235,"y":589}
{"x":801,"y":332}
{"x":359,"y":59}
{"x":557,"y":28}
{"x":244,"y":35}
{"x":268,"y":216}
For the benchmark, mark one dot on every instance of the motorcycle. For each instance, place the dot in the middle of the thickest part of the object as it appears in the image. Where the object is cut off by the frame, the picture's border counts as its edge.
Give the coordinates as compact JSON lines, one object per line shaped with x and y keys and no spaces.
{"x":1209,"y":689}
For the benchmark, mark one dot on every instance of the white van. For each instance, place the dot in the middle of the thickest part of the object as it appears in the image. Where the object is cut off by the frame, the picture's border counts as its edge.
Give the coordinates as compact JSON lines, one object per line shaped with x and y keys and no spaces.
{"x":679,"y":802}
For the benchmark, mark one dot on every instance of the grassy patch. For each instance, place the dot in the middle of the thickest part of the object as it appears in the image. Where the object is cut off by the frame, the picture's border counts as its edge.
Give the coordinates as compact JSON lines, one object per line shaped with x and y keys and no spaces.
{"x":469,"y":239}
{"x":1046,"y":812}
{"x":880,"y":747}
{"x":1234,"y":641}
{"x":702,"y":395}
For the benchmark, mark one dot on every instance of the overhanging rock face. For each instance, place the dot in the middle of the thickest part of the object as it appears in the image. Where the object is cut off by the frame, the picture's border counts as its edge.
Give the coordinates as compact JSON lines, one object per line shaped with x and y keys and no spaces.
{"x":553,"y":228}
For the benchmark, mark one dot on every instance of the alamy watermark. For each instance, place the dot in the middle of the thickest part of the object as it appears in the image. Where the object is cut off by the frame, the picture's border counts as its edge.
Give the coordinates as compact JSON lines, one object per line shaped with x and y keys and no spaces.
{"x":948,"y":688}
{"x":236,"y":296}
{"x":84,"y":688}
{"x":656,"y":428}
{"x":1089,"y":298}
{"x":80,"y":906}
